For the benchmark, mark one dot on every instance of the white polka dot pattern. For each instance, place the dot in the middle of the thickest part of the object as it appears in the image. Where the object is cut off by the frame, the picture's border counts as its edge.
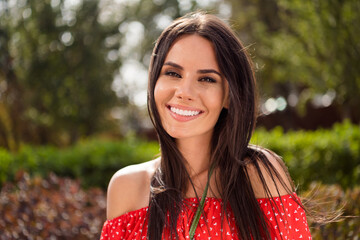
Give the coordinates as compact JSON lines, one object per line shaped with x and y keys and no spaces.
{"x":286,"y":220}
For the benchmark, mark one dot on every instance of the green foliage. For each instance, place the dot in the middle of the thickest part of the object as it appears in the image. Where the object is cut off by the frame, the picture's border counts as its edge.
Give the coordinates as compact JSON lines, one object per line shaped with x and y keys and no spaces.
{"x":93,"y":162}
{"x":304,"y":47}
{"x":329,"y":156}
{"x":5,"y":161}
{"x":61,"y":63}
{"x":55,"y":74}
{"x":59,"y":58}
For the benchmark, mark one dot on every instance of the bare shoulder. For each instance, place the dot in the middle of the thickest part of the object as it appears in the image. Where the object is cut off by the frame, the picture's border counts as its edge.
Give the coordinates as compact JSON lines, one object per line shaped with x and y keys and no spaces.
{"x":274,"y":184}
{"x":129,"y":188}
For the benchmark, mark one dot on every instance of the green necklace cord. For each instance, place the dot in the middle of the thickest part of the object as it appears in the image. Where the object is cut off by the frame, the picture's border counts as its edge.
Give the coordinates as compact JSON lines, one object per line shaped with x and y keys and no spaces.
{"x":196,"y":219}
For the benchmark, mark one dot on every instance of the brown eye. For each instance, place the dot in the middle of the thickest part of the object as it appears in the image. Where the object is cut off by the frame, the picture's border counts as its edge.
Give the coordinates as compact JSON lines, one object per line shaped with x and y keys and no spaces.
{"x":172,"y":74}
{"x":207,"y":79}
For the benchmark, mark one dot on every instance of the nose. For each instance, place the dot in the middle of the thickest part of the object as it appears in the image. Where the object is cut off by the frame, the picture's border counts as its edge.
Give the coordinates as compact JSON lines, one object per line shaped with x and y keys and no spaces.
{"x":185,"y":90}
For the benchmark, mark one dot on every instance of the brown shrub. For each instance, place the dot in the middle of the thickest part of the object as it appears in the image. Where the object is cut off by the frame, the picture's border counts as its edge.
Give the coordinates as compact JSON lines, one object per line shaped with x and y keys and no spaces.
{"x":51,"y":208}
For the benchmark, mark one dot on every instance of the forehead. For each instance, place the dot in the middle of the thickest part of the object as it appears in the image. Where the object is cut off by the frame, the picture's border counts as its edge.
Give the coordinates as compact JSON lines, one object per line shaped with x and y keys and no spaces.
{"x":193,"y":49}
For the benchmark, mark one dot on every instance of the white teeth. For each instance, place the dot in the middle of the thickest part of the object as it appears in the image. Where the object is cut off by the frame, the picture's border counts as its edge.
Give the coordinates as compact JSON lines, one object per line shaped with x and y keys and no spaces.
{"x":184,"y":112}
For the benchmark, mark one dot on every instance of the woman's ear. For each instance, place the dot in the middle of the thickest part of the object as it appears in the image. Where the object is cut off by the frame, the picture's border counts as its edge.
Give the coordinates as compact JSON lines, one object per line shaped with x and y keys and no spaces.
{"x":226,"y":103}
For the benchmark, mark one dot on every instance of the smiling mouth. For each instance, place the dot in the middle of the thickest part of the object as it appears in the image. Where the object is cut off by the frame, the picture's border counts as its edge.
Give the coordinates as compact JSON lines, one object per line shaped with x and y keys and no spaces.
{"x":185,"y":113}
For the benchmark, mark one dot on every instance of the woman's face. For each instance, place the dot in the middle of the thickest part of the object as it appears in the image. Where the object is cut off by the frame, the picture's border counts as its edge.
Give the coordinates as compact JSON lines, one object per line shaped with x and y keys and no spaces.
{"x":190,"y":91}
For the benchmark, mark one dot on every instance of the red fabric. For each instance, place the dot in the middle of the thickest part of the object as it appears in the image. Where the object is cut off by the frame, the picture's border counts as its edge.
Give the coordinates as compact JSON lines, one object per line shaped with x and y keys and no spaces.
{"x":286,"y":219}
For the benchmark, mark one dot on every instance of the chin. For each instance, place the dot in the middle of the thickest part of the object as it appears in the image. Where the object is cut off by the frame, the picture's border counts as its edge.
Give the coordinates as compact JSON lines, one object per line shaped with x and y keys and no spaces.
{"x":178,"y":134}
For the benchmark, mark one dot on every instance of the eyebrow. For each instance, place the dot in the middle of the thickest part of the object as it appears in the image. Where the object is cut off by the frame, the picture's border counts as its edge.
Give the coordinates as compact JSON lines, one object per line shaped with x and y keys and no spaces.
{"x":199,"y":71}
{"x":209,"y":71}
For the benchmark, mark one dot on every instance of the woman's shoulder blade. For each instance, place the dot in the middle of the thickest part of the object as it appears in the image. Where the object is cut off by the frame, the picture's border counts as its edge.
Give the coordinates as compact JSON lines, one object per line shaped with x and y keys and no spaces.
{"x":129,"y":188}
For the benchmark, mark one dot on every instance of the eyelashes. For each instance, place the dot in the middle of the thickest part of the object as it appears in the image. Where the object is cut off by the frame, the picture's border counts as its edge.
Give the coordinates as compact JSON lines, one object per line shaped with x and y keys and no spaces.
{"x":208,"y":79}
{"x":201,"y":79}
{"x":172,"y":74}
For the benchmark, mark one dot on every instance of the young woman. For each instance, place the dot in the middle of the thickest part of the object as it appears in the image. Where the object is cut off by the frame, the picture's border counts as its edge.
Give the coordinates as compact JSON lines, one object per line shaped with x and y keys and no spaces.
{"x":202,"y":101}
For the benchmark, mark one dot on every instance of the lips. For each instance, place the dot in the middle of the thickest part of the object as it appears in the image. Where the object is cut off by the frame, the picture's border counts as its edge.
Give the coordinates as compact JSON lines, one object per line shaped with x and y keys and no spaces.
{"x":182,"y":113}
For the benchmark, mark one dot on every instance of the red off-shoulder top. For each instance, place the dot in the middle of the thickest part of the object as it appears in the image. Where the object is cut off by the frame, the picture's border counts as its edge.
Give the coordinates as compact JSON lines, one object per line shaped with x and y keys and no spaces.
{"x":286,"y":220}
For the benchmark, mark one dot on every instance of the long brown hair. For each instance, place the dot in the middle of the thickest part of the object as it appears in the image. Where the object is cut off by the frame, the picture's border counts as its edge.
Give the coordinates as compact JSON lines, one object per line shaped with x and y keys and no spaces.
{"x":230,"y":141}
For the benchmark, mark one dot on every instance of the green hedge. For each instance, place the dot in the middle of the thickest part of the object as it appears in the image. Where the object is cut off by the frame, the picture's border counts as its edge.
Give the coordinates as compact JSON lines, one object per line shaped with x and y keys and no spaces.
{"x":328,"y":156}
{"x":93,"y":161}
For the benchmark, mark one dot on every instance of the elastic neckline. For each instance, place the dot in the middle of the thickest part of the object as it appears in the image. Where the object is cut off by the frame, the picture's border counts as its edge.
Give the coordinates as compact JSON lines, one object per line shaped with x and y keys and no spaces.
{"x":195,"y":200}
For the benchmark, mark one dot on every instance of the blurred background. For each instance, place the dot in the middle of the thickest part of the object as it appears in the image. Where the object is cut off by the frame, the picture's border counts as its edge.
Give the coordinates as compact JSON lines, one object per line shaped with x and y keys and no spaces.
{"x":73,"y":81}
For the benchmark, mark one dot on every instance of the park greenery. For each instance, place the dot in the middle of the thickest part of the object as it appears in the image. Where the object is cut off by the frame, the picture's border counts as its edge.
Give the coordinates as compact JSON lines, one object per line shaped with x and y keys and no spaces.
{"x":73,"y":81}
{"x":67,"y":66}
{"x":327,"y":156}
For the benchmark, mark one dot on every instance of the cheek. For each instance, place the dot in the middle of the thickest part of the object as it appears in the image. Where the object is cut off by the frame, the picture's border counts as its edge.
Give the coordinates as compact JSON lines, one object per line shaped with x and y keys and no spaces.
{"x":158,"y":93}
{"x":216,"y":100}
{"x":161,"y":94}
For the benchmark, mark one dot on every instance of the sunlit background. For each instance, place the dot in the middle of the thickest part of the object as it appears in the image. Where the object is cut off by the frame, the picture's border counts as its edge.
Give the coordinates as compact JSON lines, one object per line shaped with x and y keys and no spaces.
{"x":73,"y":86}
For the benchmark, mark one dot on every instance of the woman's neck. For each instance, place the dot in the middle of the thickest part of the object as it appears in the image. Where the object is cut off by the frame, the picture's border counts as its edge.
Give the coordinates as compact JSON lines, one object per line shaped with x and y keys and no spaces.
{"x":196,"y":152}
